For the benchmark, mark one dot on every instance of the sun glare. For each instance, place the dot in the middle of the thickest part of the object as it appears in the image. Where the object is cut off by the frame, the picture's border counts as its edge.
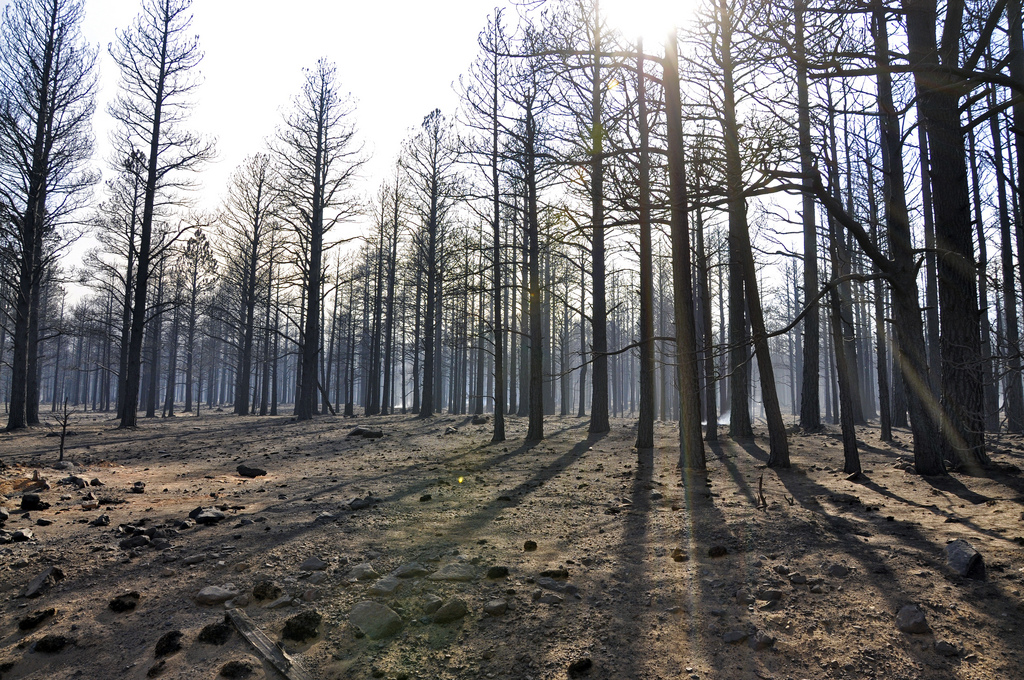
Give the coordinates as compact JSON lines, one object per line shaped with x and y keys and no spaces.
{"x":649,"y":19}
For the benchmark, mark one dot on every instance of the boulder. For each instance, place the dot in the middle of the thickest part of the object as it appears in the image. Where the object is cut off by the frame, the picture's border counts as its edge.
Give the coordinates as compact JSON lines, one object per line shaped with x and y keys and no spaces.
{"x":965,"y":560}
{"x":911,"y":619}
{"x":452,"y":610}
{"x":250,"y":472}
{"x":215,"y":595}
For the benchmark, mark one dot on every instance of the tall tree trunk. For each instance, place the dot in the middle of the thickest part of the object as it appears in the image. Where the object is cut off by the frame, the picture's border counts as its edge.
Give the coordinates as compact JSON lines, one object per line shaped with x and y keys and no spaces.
{"x":599,"y":314}
{"x":645,"y":426}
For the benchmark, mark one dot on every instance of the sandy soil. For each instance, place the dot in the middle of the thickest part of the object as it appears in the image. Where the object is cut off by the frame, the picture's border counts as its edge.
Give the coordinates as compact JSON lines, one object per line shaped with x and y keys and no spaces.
{"x":643,"y":597}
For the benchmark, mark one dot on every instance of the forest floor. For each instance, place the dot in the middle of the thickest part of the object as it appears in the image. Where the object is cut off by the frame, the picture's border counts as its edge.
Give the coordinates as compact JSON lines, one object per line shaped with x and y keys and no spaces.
{"x":621,"y":584}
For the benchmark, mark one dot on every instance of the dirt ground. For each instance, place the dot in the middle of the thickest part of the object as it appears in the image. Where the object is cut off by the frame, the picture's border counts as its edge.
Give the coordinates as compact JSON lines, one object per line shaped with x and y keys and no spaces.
{"x":622,"y":583}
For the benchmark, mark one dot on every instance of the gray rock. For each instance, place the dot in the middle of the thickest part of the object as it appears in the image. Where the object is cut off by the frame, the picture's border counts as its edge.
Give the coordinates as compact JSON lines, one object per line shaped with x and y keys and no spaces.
{"x":364,"y":572}
{"x":195,"y":559}
{"x":744,"y":597}
{"x":761,"y":640}
{"x":22,"y":535}
{"x":250,"y":472}
{"x":496,"y":607}
{"x":136,"y":541}
{"x":797,"y":579}
{"x":411,"y":570}
{"x":282,"y":601}
{"x":944,"y":648}
{"x":215,"y":595}
{"x":781,"y":569}
{"x":911,"y":619}
{"x":313,"y":564}
{"x":360,"y":503}
{"x":735,"y":636}
{"x":4,"y":515}
{"x":43,"y":582}
{"x":550,"y":598}
{"x":965,"y":560}
{"x":456,"y":571}
{"x":101,"y":521}
{"x":431,"y":603}
{"x":375,"y":620}
{"x":452,"y":610}
{"x":385,"y":586}
{"x":838,"y":571}
{"x":138,"y":487}
{"x":210,"y":516}
{"x":317,"y":578}
{"x":769,"y":594}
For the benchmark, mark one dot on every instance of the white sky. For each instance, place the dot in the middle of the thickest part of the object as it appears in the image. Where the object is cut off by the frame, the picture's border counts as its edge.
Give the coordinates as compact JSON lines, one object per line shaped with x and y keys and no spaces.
{"x":398,"y":58}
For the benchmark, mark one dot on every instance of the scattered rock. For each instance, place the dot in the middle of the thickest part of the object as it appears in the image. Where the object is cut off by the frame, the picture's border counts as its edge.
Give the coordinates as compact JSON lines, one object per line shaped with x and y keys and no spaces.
{"x":237,"y":670}
{"x":156,"y":669}
{"x":22,"y":535}
{"x":95,"y":481}
{"x":425,"y":497}
{"x":375,"y":620}
{"x":215,"y":595}
{"x":125,"y":602}
{"x":744,"y":597}
{"x":760,"y":640}
{"x":944,"y":648}
{"x":43,"y":582}
{"x":580,"y":667}
{"x":138,"y":487}
{"x":4,"y":515}
{"x":35,"y":619}
{"x":495,"y":607}
{"x":451,"y":430}
{"x":364,"y":572}
{"x":209,"y":516}
{"x":530,"y":546}
{"x":718,"y":551}
{"x":136,"y":541}
{"x":798,"y":579}
{"x":31,"y":502}
{"x":51,"y":644}
{"x":431,"y":603}
{"x":456,"y":571}
{"x":169,"y":643}
{"x":362,"y":503}
{"x":679,"y":555}
{"x":302,"y":627}
{"x":194,"y":559}
{"x":282,"y":601}
{"x":385,"y":586}
{"x":965,"y":560}
{"x":838,"y":571}
{"x":313,"y":564}
{"x":411,"y":570}
{"x":216,"y":633}
{"x":550,"y":598}
{"x":101,"y":521}
{"x":735,"y":636}
{"x":452,"y":610}
{"x":911,"y":619}
{"x":769,"y":594}
{"x":497,"y":572}
{"x":250,"y":472}
{"x":555,"y":573}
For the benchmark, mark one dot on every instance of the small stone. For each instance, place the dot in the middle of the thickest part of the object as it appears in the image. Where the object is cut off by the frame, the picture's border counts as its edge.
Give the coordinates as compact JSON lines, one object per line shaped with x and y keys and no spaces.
{"x":431,"y":603}
{"x":555,"y":573}
{"x":125,"y":602}
{"x":817,"y":589}
{"x":138,"y":487}
{"x":497,"y":572}
{"x":452,"y":610}
{"x":798,"y":579}
{"x":425,"y":497}
{"x":52,"y":644}
{"x":167,"y":572}
{"x":580,"y":667}
{"x":838,"y":571}
{"x":769,"y":594}
{"x":965,"y":560}
{"x":530,"y":546}
{"x":760,"y":640}
{"x":911,"y":619}
{"x":302,"y":627}
{"x":385,"y":586}
{"x":136,"y":541}
{"x":781,"y":569}
{"x":95,"y":481}
{"x":237,"y":670}
{"x":35,"y":619}
{"x":250,"y":472}
{"x":194,"y":559}
{"x":210,"y":516}
{"x":313,"y":564}
{"x":944,"y":648}
{"x":679,"y":555}
{"x":364,"y":572}
{"x":317,"y":578}
{"x":744,"y":597}
{"x":216,"y":633}
{"x":495,"y":607}
{"x":735,"y":636}
{"x":43,"y":582}
{"x":31,"y":502}
{"x":22,"y":535}
{"x":718,"y":551}
{"x":550,"y":598}
{"x":411,"y":570}
{"x":456,"y":571}
{"x":215,"y":595}
{"x":4,"y":515}
{"x":240,"y":601}
{"x":375,"y":620}
{"x":156,"y":669}
{"x":90,"y":505}
{"x":266,"y":590}
{"x":43,"y":522}
{"x":101,"y":521}
{"x":169,"y":643}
